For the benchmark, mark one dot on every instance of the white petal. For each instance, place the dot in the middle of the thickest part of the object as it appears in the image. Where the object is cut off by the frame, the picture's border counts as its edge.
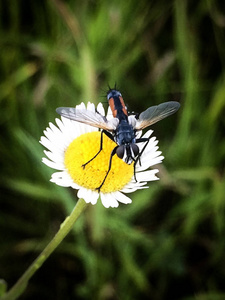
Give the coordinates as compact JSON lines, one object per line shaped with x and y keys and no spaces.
{"x":94,"y":197}
{"x":54,"y":145}
{"x":53,"y":165}
{"x":45,"y":142}
{"x":75,"y":185}
{"x":54,"y":129}
{"x":147,"y":163}
{"x":148,"y":133}
{"x":138,"y":135}
{"x":147,"y":175}
{"x":134,"y":189}
{"x":133,"y":185}
{"x":91,"y":106}
{"x":108,"y":200}
{"x":81,"y":106}
{"x":122,"y":198}
{"x":59,"y":123}
{"x":109,"y":114}
{"x":55,"y":156}
{"x":62,"y":179}
{"x":100,"y":109}
{"x":88,"y":195}
{"x":132,"y":120}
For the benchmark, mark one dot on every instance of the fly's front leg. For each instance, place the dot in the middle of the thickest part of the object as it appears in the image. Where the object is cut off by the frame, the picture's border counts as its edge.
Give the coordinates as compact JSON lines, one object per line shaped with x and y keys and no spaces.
{"x":141,"y":140}
{"x":101,"y":143}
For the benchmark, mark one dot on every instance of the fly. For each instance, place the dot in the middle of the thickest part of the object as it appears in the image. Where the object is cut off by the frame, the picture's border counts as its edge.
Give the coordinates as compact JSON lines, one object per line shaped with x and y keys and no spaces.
{"x":122,"y":129}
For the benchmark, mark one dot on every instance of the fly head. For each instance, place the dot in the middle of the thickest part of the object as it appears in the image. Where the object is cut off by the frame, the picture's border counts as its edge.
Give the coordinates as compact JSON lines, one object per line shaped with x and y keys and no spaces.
{"x":127,"y":152}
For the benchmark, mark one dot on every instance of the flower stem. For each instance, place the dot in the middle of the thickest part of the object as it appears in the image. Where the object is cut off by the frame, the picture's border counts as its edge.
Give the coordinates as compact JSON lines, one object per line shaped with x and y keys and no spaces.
{"x":65,"y":227}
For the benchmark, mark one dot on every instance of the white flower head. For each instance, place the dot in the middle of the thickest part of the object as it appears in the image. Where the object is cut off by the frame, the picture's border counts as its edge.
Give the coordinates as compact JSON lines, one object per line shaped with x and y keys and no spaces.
{"x":72,"y":144}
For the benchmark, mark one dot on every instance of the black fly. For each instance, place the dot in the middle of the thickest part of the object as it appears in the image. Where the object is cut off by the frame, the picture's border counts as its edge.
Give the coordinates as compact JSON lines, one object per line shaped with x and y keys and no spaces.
{"x":122,"y":128}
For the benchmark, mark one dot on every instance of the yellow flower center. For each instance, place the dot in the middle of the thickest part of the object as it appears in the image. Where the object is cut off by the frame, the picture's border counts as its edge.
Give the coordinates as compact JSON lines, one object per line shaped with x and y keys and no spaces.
{"x":84,"y":148}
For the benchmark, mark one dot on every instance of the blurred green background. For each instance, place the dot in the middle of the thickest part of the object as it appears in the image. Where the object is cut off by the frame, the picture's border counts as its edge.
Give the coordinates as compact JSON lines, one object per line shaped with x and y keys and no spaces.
{"x":170,"y":242}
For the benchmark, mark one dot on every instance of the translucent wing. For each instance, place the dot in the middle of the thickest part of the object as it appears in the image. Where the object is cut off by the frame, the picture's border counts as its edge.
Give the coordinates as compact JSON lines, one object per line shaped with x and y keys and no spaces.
{"x":156,"y":113}
{"x":86,"y":116}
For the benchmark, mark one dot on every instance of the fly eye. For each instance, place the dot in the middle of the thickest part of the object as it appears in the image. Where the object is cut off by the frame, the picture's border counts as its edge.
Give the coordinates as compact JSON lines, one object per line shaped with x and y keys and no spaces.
{"x":135,"y":149}
{"x":120,"y":151}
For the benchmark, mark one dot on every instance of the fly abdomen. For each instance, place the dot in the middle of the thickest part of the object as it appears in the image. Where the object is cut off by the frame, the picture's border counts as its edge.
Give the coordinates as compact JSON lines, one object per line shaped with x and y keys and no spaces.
{"x":117,"y":105}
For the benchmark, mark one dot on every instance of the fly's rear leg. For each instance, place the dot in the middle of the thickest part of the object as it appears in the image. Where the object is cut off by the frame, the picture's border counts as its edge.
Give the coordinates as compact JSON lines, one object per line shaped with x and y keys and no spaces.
{"x":101,"y":143}
{"x":141,"y":140}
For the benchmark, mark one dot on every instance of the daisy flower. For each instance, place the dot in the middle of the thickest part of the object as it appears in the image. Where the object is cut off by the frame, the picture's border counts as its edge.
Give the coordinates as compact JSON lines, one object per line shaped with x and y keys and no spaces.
{"x":71,"y":144}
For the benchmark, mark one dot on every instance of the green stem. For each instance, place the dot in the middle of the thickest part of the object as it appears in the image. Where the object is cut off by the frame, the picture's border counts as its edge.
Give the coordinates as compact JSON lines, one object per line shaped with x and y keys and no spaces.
{"x":65,"y":227}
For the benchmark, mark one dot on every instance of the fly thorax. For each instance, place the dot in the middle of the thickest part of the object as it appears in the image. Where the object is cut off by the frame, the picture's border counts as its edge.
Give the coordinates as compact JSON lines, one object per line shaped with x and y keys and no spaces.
{"x":124,"y":134}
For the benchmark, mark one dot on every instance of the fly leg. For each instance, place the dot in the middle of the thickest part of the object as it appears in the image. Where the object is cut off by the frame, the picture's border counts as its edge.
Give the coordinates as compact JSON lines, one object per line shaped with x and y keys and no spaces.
{"x":141,"y":140}
{"x":101,"y":143}
{"x":109,"y":168}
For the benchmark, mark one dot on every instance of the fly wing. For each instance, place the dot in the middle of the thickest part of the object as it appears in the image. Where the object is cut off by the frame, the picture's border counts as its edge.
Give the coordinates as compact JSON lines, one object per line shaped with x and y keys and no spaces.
{"x":156,"y":113}
{"x":85,"y":116}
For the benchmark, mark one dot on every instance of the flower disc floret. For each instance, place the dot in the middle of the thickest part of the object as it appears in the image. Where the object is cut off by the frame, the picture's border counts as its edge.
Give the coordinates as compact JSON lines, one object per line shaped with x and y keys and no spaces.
{"x":91,"y":175}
